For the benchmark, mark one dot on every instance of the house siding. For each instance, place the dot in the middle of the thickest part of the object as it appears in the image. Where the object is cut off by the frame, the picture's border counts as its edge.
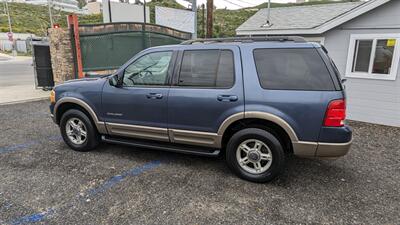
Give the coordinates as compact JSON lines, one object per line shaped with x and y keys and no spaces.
{"x":375,"y":101}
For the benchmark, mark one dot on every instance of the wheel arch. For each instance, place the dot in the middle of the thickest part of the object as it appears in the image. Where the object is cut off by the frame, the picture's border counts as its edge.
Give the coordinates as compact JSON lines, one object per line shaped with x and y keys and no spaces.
{"x":67,"y":103}
{"x":269,"y":121}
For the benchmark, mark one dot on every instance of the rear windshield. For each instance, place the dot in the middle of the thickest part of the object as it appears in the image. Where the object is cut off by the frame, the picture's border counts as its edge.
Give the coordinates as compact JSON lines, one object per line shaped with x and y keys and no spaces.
{"x":292,"y":69}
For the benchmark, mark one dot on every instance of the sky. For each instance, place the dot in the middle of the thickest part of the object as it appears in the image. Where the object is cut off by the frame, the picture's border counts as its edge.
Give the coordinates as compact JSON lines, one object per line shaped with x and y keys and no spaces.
{"x":231,"y":4}
{"x":234,"y":4}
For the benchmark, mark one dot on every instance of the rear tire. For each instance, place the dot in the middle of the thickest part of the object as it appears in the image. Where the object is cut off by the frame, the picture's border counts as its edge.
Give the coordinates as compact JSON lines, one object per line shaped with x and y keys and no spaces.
{"x":255,"y":155}
{"x":78,"y":131}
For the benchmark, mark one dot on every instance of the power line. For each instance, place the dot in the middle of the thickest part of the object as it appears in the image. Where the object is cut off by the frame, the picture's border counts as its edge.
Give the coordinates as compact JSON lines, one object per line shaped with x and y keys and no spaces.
{"x":251,"y":4}
{"x":234,"y":3}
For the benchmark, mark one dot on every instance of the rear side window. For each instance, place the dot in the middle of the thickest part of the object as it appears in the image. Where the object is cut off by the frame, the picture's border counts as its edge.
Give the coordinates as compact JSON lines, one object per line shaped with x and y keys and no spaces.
{"x":207,"y":68}
{"x":292,"y":69}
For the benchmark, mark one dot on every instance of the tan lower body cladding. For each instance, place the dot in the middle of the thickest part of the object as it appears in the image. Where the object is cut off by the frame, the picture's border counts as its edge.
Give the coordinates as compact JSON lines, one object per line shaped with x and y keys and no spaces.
{"x":213,"y":140}
{"x":163,"y":134}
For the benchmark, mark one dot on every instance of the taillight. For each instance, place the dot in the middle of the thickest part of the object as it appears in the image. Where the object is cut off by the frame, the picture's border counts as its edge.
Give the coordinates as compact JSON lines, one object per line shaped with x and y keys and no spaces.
{"x":335,"y":113}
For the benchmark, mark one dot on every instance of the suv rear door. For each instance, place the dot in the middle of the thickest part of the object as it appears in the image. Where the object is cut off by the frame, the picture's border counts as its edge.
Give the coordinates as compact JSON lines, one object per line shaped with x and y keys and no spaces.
{"x":207,"y":88}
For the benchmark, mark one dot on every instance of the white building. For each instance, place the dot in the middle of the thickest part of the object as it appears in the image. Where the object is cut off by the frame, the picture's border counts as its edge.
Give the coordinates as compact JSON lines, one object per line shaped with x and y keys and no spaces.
{"x":94,"y":7}
{"x":21,"y":42}
{"x":64,"y":5}
{"x":124,"y":12}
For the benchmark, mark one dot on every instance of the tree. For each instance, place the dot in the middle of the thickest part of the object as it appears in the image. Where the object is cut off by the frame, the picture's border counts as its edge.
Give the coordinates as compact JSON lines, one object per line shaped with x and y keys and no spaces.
{"x":81,"y":3}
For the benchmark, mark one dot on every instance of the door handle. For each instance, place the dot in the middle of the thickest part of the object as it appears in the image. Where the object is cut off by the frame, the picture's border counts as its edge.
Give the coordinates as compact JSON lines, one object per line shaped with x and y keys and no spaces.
{"x":227,"y":98}
{"x":154,"y":96}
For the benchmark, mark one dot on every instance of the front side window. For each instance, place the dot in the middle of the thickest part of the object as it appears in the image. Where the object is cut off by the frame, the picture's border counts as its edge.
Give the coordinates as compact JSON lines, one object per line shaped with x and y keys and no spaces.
{"x":373,"y":56}
{"x":292,"y":69}
{"x":150,"y":69}
{"x":207,"y":68}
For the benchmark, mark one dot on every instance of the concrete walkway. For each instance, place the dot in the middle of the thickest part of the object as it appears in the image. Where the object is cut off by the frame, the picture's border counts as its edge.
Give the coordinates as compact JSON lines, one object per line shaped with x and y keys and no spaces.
{"x":17,"y":83}
{"x":21,"y":93}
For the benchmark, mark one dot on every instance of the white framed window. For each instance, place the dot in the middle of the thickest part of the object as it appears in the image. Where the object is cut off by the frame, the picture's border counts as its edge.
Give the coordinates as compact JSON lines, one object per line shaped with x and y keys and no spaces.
{"x":373,"y":56}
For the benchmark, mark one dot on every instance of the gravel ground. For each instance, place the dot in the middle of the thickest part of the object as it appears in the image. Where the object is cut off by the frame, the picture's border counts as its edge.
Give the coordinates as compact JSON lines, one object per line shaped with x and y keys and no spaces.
{"x":44,"y":182}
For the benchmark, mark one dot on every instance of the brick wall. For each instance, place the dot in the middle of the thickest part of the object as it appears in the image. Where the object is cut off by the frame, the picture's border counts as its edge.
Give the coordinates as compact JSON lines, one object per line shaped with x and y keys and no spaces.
{"x":61,"y":55}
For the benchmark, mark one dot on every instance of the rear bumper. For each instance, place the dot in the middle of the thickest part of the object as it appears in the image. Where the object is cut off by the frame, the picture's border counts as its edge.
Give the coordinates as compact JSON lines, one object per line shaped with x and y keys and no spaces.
{"x":321,"y":149}
{"x":333,"y":143}
{"x":332,"y":150}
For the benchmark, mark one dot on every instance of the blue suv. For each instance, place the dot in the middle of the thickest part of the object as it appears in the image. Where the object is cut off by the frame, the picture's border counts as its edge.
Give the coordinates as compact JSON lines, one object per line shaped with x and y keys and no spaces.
{"x":254,"y":100}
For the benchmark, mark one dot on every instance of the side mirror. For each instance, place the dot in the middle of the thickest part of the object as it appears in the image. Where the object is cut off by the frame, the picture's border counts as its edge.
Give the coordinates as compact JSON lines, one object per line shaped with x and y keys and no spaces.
{"x":114,"y":80}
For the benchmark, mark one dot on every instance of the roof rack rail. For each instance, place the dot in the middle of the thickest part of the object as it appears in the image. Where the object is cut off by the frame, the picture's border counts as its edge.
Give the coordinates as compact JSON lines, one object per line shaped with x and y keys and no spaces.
{"x":297,"y":39}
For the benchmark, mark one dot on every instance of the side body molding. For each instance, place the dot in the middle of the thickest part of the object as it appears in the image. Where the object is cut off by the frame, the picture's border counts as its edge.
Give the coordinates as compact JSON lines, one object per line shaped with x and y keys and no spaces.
{"x":101,"y":127}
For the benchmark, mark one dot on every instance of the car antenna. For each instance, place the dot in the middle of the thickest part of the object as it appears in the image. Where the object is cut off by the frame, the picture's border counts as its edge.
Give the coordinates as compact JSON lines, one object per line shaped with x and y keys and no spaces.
{"x":268,"y":22}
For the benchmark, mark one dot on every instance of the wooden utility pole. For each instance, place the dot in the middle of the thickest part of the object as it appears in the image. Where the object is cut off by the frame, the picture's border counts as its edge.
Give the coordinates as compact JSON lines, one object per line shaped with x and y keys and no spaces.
{"x":194,"y":9}
{"x":203,"y":22}
{"x":210,"y":9}
{"x":109,"y":11}
{"x":144,"y":12}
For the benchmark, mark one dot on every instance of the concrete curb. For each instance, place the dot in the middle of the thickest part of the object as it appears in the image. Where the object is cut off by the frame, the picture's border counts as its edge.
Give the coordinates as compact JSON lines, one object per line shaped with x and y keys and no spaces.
{"x":24,"y":101}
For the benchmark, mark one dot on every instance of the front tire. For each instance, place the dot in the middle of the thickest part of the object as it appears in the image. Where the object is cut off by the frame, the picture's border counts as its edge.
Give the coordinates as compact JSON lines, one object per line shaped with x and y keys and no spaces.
{"x":78,"y":131}
{"x":255,"y":155}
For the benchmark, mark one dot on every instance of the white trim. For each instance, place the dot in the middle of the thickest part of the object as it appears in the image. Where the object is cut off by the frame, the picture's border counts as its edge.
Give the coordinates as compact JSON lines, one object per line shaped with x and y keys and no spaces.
{"x":320,"y":40}
{"x":369,"y":74}
{"x":366,"y":7}
{"x":355,"y":12}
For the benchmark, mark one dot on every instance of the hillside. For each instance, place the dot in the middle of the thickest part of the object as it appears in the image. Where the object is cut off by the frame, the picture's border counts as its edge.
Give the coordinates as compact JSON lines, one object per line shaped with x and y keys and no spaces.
{"x":225,"y":21}
{"x":27,"y":18}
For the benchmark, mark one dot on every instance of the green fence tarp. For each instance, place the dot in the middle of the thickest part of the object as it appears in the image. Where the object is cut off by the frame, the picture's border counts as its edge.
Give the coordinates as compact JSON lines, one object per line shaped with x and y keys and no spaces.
{"x":108,"y":51}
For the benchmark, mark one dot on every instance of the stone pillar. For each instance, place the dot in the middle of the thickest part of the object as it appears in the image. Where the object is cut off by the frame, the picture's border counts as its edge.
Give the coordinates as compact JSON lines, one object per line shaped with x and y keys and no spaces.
{"x":62,"y":59}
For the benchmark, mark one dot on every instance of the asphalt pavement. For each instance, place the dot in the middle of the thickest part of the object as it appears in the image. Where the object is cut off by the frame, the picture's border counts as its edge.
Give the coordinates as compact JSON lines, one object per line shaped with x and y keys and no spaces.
{"x":44,"y":182}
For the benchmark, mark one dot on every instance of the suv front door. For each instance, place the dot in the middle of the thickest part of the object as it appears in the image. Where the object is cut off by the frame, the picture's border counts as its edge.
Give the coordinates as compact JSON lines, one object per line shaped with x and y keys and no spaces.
{"x":138,"y":108}
{"x":207,"y":89}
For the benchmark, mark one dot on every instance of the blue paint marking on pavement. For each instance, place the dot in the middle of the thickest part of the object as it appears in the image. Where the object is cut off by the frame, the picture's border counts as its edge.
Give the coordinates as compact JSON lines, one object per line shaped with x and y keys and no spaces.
{"x":16,"y":147}
{"x":118,"y":178}
{"x":38,"y":217}
{"x":55,"y":138}
{"x":6,"y":206}
{"x":33,"y":218}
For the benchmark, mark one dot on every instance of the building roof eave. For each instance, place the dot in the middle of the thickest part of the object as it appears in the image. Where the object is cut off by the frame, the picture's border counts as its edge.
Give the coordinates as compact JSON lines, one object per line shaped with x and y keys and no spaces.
{"x":278,"y":32}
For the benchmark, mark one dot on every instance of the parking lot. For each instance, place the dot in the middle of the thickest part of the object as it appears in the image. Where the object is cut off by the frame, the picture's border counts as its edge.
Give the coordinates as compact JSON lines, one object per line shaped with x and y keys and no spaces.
{"x":43,"y":181}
